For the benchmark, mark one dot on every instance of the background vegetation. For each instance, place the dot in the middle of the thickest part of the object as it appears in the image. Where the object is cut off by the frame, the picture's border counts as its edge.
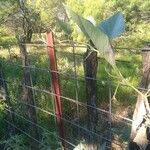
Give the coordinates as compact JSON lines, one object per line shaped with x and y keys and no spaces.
{"x":43,"y":15}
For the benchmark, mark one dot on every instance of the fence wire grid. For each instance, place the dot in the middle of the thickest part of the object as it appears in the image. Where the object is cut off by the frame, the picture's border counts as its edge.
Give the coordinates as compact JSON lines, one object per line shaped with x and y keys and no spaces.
{"x":112,"y":129}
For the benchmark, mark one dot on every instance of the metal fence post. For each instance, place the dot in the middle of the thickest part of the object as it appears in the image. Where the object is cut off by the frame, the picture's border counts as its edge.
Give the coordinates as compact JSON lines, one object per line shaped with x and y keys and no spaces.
{"x":55,"y":85}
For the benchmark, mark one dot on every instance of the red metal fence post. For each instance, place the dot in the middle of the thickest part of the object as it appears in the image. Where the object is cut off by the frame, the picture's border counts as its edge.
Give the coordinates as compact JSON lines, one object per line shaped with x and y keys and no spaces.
{"x":55,"y":85}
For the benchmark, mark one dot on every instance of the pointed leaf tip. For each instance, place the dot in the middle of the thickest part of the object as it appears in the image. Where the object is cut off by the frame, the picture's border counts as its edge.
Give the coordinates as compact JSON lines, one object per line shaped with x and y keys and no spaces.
{"x":113,"y":26}
{"x":99,"y":39}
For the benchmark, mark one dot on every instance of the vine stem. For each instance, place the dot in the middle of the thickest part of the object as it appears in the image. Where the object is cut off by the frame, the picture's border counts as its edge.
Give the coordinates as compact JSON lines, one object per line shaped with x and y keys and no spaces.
{"x":126,"y":82}
{"x":114,"y":95}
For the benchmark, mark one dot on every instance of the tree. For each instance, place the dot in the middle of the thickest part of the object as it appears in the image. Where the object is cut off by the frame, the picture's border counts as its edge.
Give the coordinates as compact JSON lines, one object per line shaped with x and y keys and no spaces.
{"x":3,"y":84}
{"x":22,"y":23}
{"x":24,"y":18}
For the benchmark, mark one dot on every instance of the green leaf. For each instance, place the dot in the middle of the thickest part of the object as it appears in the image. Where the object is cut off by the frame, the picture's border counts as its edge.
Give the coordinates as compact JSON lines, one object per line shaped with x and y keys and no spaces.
{"x":65,"y":27}
{"x":99,"y":39}
{"x":110,"y":56}
{"x":113,"y":26}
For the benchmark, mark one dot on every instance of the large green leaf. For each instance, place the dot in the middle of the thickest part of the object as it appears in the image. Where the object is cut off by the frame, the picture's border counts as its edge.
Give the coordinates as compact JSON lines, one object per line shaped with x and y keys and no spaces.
{"x":109,"y":55}
{"x":65,"y":27}
{"x":114,"y":26}
{"x":99,"y":39}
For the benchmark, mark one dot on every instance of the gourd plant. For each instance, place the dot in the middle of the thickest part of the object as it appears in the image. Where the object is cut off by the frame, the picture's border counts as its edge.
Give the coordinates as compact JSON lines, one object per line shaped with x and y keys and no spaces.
{"x":100,"y":35}
{"x":100,"y":40}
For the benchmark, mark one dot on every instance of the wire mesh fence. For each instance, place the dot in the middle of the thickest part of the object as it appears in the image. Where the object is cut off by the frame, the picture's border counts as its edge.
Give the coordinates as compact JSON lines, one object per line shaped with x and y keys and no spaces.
{"x":112,"y":129}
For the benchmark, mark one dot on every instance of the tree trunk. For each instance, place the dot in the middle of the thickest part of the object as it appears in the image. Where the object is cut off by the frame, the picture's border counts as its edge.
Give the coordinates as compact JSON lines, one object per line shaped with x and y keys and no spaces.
{"x":140,"y":133}
{"x":90,"y":69}
{"x":4,"y":94}
{"x":28,"y":94}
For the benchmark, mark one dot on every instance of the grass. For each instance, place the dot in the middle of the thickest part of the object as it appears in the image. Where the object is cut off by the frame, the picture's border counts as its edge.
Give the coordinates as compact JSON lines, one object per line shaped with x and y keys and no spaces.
{"x":129,"y":67}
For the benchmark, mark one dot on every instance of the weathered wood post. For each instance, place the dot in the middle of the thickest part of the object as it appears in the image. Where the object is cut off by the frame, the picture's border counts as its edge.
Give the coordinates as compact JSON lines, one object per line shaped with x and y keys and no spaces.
{"x":90,"y":71}
{"x":55,"y":86}
{"x":140,"y":133}
{"x":28,"y":94}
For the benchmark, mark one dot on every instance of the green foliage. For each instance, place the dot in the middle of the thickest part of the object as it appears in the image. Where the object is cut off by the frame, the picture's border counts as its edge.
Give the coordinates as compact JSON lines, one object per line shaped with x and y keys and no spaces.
{"x":136,"y":14}
{"x":98,"y":9}
{"x":136,"y":26}
{"x":65,"y":64}
{"x":91,"y":32}
{"x":7,"y":37}
{"x":94,"y":34}
{"x":48,"y":10}
{"x":7,"y":41}
{"x":16,"y":142}
{"x":138,"y":32}
{"x":50,"y":142}
{"x":2,"y":107}
{"x":2,"y":116}
{"x":65,"y":27}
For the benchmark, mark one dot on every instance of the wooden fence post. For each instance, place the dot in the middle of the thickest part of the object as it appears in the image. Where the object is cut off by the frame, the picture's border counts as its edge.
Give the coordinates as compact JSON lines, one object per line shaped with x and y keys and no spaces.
{"x":140,"y":132}
{"x":90,"y":71}
{"x":28,"y":94}
{"x":55,"y":86}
